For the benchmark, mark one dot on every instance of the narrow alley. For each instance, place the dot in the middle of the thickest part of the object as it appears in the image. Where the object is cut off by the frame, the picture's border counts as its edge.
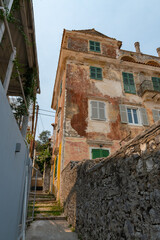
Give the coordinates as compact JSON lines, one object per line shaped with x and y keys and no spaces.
{"x":50,"y":230}
{"x":49,"y":222}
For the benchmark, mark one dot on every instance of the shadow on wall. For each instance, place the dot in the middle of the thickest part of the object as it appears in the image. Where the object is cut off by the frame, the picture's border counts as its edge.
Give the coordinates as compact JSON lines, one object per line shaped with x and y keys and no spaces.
{"x":118,"y":197}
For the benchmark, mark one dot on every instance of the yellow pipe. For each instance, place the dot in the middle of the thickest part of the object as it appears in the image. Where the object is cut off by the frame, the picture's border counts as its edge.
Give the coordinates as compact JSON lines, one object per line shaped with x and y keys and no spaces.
{"x":54,"y":174}
{"x":59,"y":171}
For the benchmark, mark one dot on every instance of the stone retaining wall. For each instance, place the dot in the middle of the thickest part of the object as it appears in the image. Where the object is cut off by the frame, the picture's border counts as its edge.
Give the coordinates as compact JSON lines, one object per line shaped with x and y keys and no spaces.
{"x":118,"y":197}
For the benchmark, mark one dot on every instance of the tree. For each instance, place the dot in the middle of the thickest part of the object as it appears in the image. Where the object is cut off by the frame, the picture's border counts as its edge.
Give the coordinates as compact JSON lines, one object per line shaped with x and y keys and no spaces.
{"x":44,"y":136}
{"x":43,"y":149}
{"x":43,"y":141}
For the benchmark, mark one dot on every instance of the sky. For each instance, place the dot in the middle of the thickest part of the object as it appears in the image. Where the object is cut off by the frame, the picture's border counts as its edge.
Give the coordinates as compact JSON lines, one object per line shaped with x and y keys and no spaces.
{"x":126,"y":20}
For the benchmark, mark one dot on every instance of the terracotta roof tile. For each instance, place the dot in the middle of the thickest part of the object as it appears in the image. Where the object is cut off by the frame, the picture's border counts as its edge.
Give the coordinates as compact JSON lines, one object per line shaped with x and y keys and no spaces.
{"x":93,"y":32}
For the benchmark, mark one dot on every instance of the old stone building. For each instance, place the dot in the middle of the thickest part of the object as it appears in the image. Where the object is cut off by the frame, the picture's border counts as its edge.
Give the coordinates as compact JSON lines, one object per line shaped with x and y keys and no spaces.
{"x":103,"y":97}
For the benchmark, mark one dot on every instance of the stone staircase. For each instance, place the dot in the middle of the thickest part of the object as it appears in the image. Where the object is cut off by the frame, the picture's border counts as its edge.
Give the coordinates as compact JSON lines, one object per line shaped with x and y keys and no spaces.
{"x":46,"y":207}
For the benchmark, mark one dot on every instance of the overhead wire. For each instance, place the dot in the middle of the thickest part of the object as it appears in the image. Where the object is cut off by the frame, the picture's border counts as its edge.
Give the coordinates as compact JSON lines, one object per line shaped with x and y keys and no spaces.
{"x":46,"y":115}
{"x":47,"y":110}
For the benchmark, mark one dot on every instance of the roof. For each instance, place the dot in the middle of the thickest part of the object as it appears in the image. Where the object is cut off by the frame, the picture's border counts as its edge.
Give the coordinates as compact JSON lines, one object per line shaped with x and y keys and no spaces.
{"x":93,"y":32}
{"x":24,"y":41}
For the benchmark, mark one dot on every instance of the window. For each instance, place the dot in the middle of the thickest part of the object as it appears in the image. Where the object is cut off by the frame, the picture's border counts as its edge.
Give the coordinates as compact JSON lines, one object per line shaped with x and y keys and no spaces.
{"x":99,"y":153}
{"x":96,"y":73}
{"x":60,"y":91}
{"x":94,"y":46}
{"x":156,"y":114}
{"x":59,"y":120}
{"x":98,"y":110}
{"x":57,"y":105}
{"x":56,"y":163}
{"x":156,"y":83}
{"x":128,"y":81}
{"x":133,"y":115}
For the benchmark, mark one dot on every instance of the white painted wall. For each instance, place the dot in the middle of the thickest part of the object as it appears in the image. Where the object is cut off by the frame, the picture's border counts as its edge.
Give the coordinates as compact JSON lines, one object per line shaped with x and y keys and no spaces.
{"x":12,"y":171}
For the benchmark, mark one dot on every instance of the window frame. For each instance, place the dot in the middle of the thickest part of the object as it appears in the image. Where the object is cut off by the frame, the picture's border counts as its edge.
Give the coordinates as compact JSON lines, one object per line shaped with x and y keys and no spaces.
{"x":98,"y":148}
{"x":96,"y":77}
{"x":90,"y":111}
{"x":94,"y":45}
{"x":138,"y":115}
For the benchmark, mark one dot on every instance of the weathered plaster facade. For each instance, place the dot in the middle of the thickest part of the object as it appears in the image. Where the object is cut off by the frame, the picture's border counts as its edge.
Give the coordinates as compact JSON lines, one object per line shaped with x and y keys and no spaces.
{"x":117,"y":198}
{"x":74,"y":90}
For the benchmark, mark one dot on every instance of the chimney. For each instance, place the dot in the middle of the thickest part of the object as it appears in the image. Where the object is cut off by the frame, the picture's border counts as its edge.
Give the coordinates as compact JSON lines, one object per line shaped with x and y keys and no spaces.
{"x":158,"y":51}
{"x":137,"y":47}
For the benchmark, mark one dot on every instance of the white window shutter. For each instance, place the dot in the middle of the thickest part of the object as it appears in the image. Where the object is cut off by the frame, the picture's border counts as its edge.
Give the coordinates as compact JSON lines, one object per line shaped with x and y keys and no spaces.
{"x":102,"y":111}
{"x":94,"y":110}
{"x":155,"y":115}
{"x":123,"y":113}
{"x":144,"y":117}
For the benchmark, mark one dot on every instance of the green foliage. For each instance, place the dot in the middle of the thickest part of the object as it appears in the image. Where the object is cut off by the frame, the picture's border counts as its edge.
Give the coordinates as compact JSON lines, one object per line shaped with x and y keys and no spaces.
{"x":11,"y":17}
{"x":44,"y":136}
{"x":44,"y":151}
{"x":19,"y":108}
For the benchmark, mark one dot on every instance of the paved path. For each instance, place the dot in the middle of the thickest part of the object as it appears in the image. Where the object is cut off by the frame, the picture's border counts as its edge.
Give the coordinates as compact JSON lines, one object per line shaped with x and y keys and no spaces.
{"x":50,"y":230}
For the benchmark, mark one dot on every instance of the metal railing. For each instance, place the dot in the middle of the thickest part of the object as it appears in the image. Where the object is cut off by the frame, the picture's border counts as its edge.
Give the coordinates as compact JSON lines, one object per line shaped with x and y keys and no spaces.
{"x":27,"y":192}
{"x":146,"y":85}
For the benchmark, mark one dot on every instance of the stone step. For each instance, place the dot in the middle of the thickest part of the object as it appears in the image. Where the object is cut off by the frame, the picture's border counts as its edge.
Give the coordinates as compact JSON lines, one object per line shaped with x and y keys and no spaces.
{"x":50,"y":218}
{"x":47,"y":208}
{"x":42,"y":199}
{"x":41,"y":204}
{"x":42,"y":195}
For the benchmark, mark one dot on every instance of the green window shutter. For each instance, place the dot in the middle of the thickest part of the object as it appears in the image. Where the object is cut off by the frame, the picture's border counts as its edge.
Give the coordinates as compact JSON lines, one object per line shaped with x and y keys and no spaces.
{"x":128,"y":81}
{"x":125,"y":82}
{"x":97,"y":47}
{"x":144,"y":117}
{"x":156,"y":83}
{"x":96,"y":73}
{"x":95,"y":153}
{"x":123,"y":113}
{"x":99,"y":73}
{"x":91,"y":43}
{"x":93,"y":72}
{"x":131,"y":83}
{"x":60,"y":91}
{"x":156,"y":115}
{"x":56,"y":167}
{"x":105,"y":153}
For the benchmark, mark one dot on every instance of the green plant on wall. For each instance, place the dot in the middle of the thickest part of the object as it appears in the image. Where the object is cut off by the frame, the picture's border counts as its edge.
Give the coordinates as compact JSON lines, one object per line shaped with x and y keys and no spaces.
{"x":11,"y":17}
{"x":19,"y":108}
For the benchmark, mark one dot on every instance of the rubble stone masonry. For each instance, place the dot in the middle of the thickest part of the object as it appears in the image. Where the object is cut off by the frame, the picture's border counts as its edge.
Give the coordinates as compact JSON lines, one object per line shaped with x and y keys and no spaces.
{"x":116,"y":198}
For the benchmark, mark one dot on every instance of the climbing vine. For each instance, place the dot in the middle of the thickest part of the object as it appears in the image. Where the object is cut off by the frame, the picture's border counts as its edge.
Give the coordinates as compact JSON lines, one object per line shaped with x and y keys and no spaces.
{"x":28,"y":76}
{"x":29,"y":86}
{"x":10,"y":15}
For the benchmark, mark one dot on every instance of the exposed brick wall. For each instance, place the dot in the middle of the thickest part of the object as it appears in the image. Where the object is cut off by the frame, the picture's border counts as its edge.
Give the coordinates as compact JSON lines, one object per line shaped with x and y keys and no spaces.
{"x":108,"y":51}
{"x":76,"y":44}
{"x":118,"y":197}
